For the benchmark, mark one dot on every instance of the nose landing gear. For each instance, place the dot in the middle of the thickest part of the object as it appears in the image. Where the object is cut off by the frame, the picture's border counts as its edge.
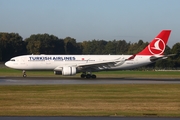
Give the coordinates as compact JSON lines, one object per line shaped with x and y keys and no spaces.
{"x":24,"y":73}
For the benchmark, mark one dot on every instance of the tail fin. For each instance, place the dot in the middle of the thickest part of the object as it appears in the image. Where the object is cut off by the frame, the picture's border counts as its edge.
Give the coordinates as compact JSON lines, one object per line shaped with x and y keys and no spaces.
{"x":157,"y":45}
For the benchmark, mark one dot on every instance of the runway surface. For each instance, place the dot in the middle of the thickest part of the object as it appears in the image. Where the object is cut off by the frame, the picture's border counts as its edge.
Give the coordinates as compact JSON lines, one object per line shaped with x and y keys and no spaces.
{"x":56,"y":81}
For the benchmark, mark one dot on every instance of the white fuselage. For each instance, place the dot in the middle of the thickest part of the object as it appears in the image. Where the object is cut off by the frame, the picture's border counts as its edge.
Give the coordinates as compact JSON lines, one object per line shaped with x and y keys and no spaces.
{"x":68,"y":65}
{"x":50,"y":62}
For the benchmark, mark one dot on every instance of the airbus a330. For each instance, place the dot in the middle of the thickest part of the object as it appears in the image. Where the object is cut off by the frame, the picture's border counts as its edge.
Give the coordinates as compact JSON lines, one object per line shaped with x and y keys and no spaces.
{"x":69,"y":65}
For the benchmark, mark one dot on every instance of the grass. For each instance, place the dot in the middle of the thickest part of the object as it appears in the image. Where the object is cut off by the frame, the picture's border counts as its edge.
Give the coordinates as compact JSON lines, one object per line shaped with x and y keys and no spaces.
{"x":90,"y":100}
{"x":142,"y":74}
{"x":7,"y":72}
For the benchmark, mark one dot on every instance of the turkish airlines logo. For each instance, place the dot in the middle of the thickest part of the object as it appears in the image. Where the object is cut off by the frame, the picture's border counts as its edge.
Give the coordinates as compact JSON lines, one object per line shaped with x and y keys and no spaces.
{"x":157,"y":46}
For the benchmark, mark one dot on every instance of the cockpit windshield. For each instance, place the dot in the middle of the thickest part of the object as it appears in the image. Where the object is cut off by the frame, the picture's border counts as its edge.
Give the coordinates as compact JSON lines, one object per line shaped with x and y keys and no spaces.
{"x":12,"y":59}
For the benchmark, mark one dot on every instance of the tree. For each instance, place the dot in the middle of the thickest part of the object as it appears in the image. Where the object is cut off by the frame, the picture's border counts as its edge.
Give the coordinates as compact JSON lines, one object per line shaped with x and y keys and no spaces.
{"x":121,"y":47}
{"x":11,"y":45}
{"x":110,"y":47}
{"x":44,"y":44}
{"x":176,"y":50}
{"x":71,"y":47}
{"x":137,"y":47}
{"x":94,"y":47}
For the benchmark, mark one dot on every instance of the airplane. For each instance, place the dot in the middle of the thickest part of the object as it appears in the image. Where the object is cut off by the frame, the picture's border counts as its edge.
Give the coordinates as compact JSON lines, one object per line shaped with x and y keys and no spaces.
{"x":68,"y":65}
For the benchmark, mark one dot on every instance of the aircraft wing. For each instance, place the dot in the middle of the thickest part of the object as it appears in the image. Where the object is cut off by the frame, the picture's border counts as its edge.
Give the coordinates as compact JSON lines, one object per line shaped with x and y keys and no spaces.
{"x":105,"y":62}
{"x":100,"y":65}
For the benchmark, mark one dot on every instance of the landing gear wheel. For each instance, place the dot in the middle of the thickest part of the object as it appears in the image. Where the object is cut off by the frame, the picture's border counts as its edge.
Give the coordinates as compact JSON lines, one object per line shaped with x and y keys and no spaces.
{"x":88,"y":76}
{"x":24,"y":75}
{"x":83,"y":75}
{"x":93,"y":76}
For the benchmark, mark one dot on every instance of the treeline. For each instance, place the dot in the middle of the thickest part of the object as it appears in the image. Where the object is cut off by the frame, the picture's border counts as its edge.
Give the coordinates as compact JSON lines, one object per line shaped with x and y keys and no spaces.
{"x":12,"y":44}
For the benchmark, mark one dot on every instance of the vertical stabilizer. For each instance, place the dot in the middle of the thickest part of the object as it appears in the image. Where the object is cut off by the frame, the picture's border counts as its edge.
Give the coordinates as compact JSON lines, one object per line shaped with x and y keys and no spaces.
{"x":157,"y":45}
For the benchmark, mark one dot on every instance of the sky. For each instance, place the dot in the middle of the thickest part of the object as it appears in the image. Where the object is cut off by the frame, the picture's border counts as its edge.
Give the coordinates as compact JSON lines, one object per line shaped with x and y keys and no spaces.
{"x":129,"y":20}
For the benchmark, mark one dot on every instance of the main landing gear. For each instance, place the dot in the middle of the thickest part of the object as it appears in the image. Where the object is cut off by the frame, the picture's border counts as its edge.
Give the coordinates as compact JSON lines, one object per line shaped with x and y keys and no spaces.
{"x":24,"y":73}
{"x":88,"y":76}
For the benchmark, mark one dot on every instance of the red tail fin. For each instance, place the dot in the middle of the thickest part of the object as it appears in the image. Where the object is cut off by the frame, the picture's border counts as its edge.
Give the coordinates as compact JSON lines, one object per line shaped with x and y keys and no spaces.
{"x":157,"y":45}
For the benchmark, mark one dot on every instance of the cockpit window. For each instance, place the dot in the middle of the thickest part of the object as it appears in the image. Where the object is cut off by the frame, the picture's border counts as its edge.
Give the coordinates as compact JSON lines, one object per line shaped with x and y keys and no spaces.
{"x":12,"y":59}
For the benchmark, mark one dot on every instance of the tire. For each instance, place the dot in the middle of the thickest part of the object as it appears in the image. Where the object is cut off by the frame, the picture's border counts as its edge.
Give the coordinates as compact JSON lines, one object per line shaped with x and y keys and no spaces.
{"x":24,"y":75}
{"x":93,"y":76}
{"x":83,"y":75}
{"x":88,"y":76}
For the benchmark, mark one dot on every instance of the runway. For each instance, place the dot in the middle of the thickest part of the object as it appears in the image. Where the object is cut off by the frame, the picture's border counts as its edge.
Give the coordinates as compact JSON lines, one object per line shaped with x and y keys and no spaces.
{"x":56,"y":81}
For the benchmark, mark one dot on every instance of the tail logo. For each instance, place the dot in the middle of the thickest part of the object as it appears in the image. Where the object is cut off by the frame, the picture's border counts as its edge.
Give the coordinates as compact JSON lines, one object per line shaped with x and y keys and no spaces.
{"x":157,"y":46}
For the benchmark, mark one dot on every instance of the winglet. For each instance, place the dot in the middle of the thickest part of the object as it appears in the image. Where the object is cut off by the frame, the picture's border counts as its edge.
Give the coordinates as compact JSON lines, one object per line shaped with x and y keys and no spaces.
{"x":157,"y":45}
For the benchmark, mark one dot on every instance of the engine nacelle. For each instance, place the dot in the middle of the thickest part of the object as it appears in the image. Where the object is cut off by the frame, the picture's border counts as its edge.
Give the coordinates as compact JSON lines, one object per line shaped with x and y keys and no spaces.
{"x":58,"y":72}
{"x":68,"y":71}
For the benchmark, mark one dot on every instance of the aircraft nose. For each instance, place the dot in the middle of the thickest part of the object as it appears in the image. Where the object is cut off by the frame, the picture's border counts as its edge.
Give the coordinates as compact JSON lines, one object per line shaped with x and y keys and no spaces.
{"x":7,"y":64}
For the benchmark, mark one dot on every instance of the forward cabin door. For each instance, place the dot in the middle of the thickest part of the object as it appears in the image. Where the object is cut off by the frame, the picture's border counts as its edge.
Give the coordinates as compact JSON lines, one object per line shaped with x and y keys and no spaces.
{"x":23,"y":61}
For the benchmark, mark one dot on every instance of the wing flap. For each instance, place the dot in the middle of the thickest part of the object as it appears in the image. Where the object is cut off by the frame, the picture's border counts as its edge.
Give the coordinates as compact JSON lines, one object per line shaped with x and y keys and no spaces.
{"x":100,"y":65}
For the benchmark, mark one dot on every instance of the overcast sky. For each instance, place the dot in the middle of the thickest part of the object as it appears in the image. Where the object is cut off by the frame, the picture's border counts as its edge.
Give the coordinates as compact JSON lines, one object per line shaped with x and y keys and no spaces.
{"x":129,"y":20}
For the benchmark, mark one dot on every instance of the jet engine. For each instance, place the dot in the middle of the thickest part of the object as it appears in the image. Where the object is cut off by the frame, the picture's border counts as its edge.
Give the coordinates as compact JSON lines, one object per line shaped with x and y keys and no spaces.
{"x":58,"y":72}
{"x":66,"y":71}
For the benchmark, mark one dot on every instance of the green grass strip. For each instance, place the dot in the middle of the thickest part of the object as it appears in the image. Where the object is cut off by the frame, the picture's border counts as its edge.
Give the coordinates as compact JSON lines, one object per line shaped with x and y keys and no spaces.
{"x":90,"y":100}
{"x":7,"y":72}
